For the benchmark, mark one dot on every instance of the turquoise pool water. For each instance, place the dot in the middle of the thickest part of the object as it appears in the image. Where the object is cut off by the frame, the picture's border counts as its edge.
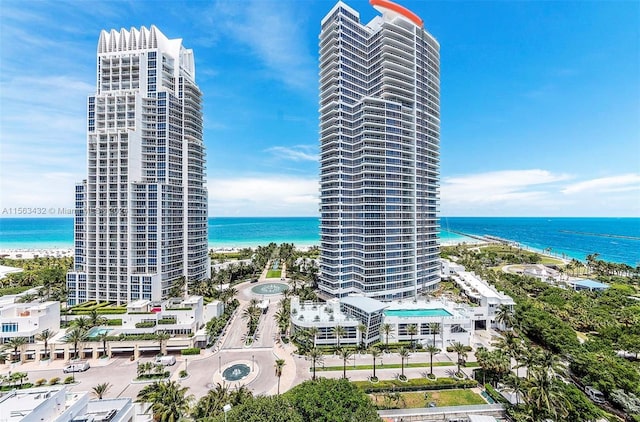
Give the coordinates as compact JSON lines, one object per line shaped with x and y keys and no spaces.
{"x":96,"y":331}
{"x":417,"y":312}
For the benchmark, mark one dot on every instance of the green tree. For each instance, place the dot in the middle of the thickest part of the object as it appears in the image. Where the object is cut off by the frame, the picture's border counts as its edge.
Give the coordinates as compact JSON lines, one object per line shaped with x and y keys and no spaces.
{"x":412,"y":330}
{"x":75,"y":336}
{"x":375,"y":352}
{"x":315,"y":355}
{"x":434,"y":329}
{"x":461,"y":350}
{"x":101,"y":389}
{"x":161,"y":338}
{"x":331,"y":400}
{"x":261,"y":409}
{"x":404,"y":355}
{"x":279,"y":366}
{"x":103,"y":337}
{"x":345,"y":354}
{"x":339,"y":332}
{"x":432,"y":350}
{"x":544,"y":396}
{"x":45,"y":336}
{"x":387,"y":329}
{"x":212,"y":403}
{"x":168,"y":401}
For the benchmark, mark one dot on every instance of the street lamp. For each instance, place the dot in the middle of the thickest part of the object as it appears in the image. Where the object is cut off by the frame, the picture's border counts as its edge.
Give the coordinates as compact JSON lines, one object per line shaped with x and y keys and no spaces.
{"x":226,"y":408}
{"x":185,"y":366}
{"x":253,"y":363}
{"x":220,"y":364}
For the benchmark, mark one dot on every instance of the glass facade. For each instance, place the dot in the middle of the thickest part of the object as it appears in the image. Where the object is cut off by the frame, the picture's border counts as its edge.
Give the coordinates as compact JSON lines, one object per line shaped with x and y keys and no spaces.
{"x":379,"y":156}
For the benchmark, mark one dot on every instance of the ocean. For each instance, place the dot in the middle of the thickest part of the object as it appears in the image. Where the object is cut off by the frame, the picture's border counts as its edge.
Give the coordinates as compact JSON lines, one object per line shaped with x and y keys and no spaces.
{"x":615,"y":239}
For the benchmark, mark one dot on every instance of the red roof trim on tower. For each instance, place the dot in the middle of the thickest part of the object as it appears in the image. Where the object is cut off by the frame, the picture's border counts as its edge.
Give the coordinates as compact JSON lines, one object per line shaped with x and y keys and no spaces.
{"x":385,"y":4}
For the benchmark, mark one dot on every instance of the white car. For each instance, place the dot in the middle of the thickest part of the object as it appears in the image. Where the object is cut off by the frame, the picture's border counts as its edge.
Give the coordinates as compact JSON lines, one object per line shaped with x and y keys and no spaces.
{"x":166,"y":360}
{"x":76,"y":367}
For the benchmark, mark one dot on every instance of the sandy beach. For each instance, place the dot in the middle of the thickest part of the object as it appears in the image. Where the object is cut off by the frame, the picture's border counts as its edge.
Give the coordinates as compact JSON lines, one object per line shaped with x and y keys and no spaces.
{"x":33,"y":253}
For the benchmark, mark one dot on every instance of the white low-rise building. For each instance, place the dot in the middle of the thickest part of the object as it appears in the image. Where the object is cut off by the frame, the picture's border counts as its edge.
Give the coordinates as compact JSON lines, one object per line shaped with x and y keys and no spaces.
{"x":28,"y":319}
{"x":362,"y":318}
{"x":486,"y":299}
{"x":58,"y":404}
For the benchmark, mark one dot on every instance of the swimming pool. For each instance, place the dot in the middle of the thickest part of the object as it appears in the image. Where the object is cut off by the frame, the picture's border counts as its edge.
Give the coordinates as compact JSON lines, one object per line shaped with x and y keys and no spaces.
{"x":406,"y":313}
{"x":96,"y":331}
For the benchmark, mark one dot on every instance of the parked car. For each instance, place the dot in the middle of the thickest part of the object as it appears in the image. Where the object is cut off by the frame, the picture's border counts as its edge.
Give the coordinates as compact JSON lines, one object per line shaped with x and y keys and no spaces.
{"x":76,"y":367}
{"x":166,"y":360}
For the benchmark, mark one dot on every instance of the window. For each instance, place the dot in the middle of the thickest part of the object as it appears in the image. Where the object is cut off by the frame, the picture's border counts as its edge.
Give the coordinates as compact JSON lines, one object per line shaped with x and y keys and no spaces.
{"x":10,"y":327}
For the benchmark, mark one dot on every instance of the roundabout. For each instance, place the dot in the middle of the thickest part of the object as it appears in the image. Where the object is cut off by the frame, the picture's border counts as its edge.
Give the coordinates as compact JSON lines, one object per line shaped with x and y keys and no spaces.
{"x":236,"y":372}
{"x":269,"y":289}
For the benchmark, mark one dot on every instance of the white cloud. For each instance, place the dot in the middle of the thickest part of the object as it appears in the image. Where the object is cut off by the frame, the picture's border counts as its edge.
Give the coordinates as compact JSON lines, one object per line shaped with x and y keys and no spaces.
{"x":274,"y":33}
{"x":268,"y":195}
{"x":295,"y":153}
{"x":498,"y":186}
{"x":619,"y":183}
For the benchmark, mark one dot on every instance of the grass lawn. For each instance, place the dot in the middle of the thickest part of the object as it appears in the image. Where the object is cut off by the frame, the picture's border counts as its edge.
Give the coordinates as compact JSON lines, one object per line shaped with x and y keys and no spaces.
{"x":441,"y":398}
{"x":274,"y":273}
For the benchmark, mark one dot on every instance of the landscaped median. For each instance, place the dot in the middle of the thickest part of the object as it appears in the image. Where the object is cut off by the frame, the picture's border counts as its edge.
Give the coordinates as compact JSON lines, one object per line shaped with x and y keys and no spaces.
{"x":415,"y":384}
{"x":394,"y":366}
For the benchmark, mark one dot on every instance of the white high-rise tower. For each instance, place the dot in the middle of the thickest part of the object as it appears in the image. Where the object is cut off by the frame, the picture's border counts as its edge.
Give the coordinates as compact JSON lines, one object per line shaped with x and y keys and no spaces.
{"x":141,"y":214}
{"x":379,"y":153}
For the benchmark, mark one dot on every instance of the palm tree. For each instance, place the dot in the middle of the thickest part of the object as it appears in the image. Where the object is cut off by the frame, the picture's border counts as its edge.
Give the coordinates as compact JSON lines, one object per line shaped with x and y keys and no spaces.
{"x":461,"y":350}
{"x":404,"y":354}
{"x":316,"y":357}
{"x":412,"y":330}
{"x":516,"y":385}
{"x":544,"y":396}
{"x":434,"y":329}
{"x":75,"y":335}
{"x":101,"y":389}
{"x":339,"y":332}
{"x":505,"y":316}
{"x":375,"y":352}
{"x":432,"y":350}
{"x":95,"y":319}
{"x":16,"y":343}
{"x":161,"y":338}
{"x":362,"y":329}
{"x":45,"y":336}
{"x":279,"y":365}
{"x":345,"y":354}
{"x":82,"y":323}
{"x":212,"y":403}
{"x":313,"y":331}
{"x":168,"y":401}
{"x":387,"y":329}
{"x":103,"y":337}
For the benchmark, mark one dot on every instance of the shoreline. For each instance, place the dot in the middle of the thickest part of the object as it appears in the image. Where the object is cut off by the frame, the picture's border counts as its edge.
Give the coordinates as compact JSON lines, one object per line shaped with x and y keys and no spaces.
{"x":61,"y":252}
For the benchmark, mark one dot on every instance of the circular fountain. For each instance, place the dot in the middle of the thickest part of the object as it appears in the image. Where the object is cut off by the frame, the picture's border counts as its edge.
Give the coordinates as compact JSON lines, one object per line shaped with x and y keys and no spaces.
{"x":269,"y":289}
{"x":236,"y":372}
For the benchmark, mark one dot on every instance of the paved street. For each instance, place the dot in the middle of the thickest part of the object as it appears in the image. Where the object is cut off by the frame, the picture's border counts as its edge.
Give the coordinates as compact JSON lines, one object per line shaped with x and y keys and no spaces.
{"x":206,"y":369}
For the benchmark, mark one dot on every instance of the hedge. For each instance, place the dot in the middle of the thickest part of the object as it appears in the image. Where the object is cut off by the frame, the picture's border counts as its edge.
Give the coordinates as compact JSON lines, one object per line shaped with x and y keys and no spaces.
{"x":466,"y":349}
{"x":190,"y":351}
{"x":495,"y":395}
{"x":115,"y":321}
{"x":415,"y":384}
{"x":145,"y":324}
{"x":101,"y":311}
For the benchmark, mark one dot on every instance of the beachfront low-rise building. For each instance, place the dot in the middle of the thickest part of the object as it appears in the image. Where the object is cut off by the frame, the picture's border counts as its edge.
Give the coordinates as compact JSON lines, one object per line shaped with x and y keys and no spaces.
{"x":451,"y":322}
{"x":27,"y":320}
{"x":58,"y":404}
{"x":485,"y":300}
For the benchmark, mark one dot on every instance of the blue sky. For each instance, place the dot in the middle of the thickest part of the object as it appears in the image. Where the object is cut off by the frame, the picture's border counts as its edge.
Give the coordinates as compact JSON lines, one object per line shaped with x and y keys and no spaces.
{"x":540,"y":101}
